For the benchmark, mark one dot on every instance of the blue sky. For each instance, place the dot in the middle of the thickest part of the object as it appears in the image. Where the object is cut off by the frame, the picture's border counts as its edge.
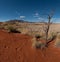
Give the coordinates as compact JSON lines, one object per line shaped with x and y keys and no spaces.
{"x":29,"y":10}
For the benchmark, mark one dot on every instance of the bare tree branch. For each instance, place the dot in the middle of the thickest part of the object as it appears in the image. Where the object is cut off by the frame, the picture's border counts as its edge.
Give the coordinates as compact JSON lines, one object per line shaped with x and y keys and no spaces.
{"x":46,"y":25}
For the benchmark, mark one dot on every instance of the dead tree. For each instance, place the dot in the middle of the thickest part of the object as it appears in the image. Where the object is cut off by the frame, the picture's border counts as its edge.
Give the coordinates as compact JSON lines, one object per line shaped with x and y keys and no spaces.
{"x":47,"y":27}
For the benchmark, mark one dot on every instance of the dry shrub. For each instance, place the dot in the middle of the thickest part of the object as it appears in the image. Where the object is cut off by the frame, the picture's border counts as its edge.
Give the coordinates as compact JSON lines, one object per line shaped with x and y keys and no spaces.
{"x":13,"y":30}
{"x":52,"y":37}
{"x":1,"y":27}
{"x":37,"y":36}
{"x":24,"y":31}
{"x":37,"y":44}
{"x":57,"y":42}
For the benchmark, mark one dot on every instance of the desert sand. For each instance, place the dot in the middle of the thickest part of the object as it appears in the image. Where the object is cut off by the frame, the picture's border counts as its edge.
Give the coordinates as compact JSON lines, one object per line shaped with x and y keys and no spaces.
{"x":15,"y":47}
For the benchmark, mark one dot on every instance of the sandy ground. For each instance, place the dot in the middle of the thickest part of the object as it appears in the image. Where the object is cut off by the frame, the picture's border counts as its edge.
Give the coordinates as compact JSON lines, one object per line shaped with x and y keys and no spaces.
{"x":16,"y":47}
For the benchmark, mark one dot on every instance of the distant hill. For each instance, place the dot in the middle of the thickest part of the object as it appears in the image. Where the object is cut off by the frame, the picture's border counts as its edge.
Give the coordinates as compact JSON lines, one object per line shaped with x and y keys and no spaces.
{"x":15,"y":20}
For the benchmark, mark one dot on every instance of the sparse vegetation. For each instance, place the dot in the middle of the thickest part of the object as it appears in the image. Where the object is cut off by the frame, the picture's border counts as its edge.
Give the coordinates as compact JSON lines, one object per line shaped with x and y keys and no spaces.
{"x":37,"y":36}
{"x":57,"y":42}
{"x":52,"y":37}
{"x":13,"y":30}
{"x":37,"y":44}
{"x":38,"y":31}
{"x":1,"y":27}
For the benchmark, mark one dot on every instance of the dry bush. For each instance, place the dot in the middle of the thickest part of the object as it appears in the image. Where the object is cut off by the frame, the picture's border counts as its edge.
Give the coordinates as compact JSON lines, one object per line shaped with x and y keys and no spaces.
{"x":1,"y":27}
{"x":37,"y":44}
{"x":52,"y":36}
{"x":57,"y":42}
{"x":24,"y":31}
{"x":37,"y":36}
{"x":13,"y":30}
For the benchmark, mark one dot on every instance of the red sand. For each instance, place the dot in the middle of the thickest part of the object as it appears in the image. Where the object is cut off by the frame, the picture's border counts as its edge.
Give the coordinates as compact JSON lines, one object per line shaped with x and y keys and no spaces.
{"x":16,"y":47}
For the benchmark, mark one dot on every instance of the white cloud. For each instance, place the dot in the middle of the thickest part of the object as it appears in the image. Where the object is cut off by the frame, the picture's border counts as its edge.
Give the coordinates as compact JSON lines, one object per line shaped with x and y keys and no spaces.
{"x":22,"y":17}
{"x":36,"y":14}
{"x":39,"y":18}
